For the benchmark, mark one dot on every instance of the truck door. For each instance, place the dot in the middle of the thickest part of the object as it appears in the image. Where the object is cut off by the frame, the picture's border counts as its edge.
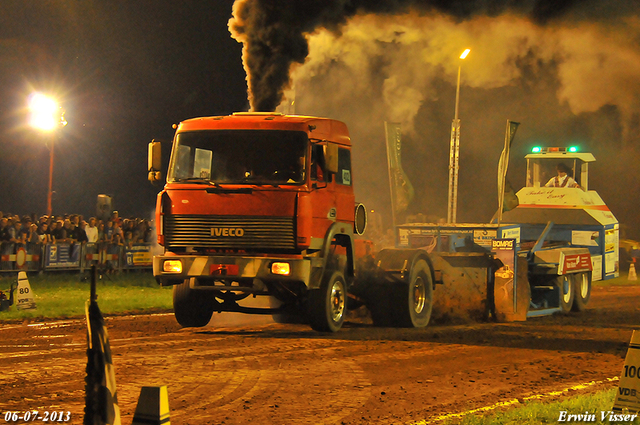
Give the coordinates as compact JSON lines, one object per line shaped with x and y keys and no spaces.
{"x":323,"y":200}
{"x":345,"y":199}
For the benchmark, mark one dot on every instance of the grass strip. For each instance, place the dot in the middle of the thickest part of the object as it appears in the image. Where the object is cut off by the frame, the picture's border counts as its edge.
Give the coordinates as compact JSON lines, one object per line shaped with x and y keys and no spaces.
{"x":64,"y":295}
{"x":595,"y":408}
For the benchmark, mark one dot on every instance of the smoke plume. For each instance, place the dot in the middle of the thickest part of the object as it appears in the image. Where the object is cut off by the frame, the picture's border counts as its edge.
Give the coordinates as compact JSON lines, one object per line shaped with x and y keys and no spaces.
{"x":274,"y":34}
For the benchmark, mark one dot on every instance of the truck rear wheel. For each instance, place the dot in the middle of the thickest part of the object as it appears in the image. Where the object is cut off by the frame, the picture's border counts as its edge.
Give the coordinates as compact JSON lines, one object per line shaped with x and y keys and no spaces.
{"x":192,"y":310}
{"x":327,"y":305}
{"x":582,"y":289}
{"x":414,"y":299}
{"x":567,"y":292}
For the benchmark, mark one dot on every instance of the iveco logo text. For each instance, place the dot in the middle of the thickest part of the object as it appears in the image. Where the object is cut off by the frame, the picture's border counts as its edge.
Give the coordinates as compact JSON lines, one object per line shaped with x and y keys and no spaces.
{"x":227,"y":231}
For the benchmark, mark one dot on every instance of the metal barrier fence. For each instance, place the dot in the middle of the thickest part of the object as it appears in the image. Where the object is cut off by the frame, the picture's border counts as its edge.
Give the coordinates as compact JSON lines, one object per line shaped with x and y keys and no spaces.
{"x":65,"y":256}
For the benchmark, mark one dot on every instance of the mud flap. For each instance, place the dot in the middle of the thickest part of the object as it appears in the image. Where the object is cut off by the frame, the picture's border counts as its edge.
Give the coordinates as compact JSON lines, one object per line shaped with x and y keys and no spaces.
{"x":507,"y":307}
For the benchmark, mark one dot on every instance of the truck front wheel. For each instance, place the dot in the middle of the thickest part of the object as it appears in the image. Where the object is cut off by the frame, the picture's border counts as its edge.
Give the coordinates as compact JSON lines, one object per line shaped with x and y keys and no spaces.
{"x":415,"y":298}
{"x":192,"y":309}
{"x":582,"y":289}
{"x":327,"y":305}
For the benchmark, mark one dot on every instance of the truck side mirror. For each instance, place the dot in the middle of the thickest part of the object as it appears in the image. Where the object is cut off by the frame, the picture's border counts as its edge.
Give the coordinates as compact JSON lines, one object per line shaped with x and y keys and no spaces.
{"x":331,"y":158}
{"x":155,"y":161}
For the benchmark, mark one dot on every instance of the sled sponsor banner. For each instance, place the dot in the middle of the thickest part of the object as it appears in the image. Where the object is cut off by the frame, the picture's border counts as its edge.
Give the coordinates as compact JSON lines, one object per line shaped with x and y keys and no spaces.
{"x":484,"y":237}
{"x":596,"y":267}
{"x":610,"y":240}
{"x":510,"y":233}
{"x":503,"y":292}
{"x":584,"y":238}
{"x":570,"y":263}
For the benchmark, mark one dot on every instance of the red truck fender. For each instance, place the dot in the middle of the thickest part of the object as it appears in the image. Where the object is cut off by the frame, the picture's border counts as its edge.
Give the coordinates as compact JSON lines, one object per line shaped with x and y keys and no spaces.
{"x":340,"y":235}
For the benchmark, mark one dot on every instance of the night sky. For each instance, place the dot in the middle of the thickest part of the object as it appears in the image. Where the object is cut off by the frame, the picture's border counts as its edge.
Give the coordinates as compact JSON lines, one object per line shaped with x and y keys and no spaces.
{"x":126,"y":71}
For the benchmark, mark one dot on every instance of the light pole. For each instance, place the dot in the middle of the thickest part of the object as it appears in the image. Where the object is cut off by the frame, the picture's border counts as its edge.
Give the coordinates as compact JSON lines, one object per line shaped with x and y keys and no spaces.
{"x":454,"y":153}
{"x":46,"y":116}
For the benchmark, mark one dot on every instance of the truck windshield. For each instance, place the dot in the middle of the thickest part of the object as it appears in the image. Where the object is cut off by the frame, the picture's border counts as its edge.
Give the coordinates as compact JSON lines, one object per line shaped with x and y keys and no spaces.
{"x":239,"y":156}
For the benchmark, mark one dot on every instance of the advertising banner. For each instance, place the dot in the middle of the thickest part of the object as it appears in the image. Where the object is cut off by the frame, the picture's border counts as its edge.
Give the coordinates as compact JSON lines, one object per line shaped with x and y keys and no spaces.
{"x":62,"y":256}
{"x":138,"y":256}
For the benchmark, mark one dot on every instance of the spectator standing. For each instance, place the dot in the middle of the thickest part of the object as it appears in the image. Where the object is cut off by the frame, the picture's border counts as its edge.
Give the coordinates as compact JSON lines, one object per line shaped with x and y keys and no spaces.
{"x":43,"y":233}
{"x":15,"y":234}
{"x":108,"y":233}
{"x":33,"y":236}
{"x":58,"y":233}
{"x":128,"y":238}
{"x":72,"y":232}
{"x":101,"y":235}
{"x":80,"y":233}
{"x":92,"y":231}
{"x":117,"y":236}
{"x":115,"y":217}
{"x":4,"y":230}
{"x":25,"y":229}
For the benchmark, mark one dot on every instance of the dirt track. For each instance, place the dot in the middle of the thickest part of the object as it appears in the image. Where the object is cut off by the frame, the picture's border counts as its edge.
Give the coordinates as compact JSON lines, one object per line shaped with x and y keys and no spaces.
{"x":258,"y":372}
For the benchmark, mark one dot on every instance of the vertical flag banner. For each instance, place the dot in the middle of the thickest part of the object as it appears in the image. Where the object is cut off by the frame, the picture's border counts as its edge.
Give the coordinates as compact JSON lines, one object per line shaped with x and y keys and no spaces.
{"x":507,"y":199}
{"x":401,"y":188}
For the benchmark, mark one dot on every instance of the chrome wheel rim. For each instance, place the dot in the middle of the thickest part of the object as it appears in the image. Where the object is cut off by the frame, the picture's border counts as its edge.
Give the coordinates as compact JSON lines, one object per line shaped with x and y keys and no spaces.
{"x":419,"y":295}
{"x":566,"y":290}
{"x":337,"y":301}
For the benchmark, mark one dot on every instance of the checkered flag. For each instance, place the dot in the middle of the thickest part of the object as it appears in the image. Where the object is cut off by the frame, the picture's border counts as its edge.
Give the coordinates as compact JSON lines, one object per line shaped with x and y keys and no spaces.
{"x":101,"y":398}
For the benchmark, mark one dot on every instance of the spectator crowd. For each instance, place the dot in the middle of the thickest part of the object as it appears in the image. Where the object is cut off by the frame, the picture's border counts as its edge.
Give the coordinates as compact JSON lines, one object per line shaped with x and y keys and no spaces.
{"x":72,"y":228}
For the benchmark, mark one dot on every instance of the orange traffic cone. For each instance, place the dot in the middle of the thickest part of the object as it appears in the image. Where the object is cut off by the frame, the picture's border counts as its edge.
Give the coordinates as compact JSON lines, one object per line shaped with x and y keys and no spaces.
{"x":632,"y":272}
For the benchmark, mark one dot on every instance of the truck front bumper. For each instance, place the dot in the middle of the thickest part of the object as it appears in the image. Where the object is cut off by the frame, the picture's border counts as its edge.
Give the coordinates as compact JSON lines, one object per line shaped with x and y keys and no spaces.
{"x":175,"y":269}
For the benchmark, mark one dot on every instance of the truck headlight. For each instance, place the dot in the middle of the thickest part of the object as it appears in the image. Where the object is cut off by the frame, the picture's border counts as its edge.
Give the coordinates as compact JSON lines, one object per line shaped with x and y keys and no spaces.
{"x":172,"y":266}
{"x":281,"y":268}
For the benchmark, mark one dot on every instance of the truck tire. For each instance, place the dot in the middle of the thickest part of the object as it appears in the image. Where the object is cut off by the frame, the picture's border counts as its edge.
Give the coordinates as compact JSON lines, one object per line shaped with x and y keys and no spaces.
{"x":327,"y":305}
{"x":582,"y":290}
{"x":414,"y":299}
{"x":192,"y":310}
{"x":567,"y":292}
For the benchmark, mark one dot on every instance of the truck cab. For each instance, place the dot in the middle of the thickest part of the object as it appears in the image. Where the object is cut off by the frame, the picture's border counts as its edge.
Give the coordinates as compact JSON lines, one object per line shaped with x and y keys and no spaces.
{"x":543,"y":161}
{"x":256,"y":204}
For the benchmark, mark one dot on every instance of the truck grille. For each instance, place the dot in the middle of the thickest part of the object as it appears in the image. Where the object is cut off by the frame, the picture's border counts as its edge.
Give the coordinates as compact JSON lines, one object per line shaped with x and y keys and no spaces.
{"x":233,"y":232}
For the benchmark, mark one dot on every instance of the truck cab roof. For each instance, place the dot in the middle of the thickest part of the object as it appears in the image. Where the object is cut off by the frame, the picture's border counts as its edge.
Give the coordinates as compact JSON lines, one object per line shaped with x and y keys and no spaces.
{"x":315,"y":127}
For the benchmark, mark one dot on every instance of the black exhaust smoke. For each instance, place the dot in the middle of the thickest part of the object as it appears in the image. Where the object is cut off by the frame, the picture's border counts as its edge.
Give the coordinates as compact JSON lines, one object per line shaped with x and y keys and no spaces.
{"x":273,"y":32}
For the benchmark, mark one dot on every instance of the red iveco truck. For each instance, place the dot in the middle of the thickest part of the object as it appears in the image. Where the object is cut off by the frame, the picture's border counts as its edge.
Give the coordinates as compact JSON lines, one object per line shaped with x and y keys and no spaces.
{"x":262,"y":204}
